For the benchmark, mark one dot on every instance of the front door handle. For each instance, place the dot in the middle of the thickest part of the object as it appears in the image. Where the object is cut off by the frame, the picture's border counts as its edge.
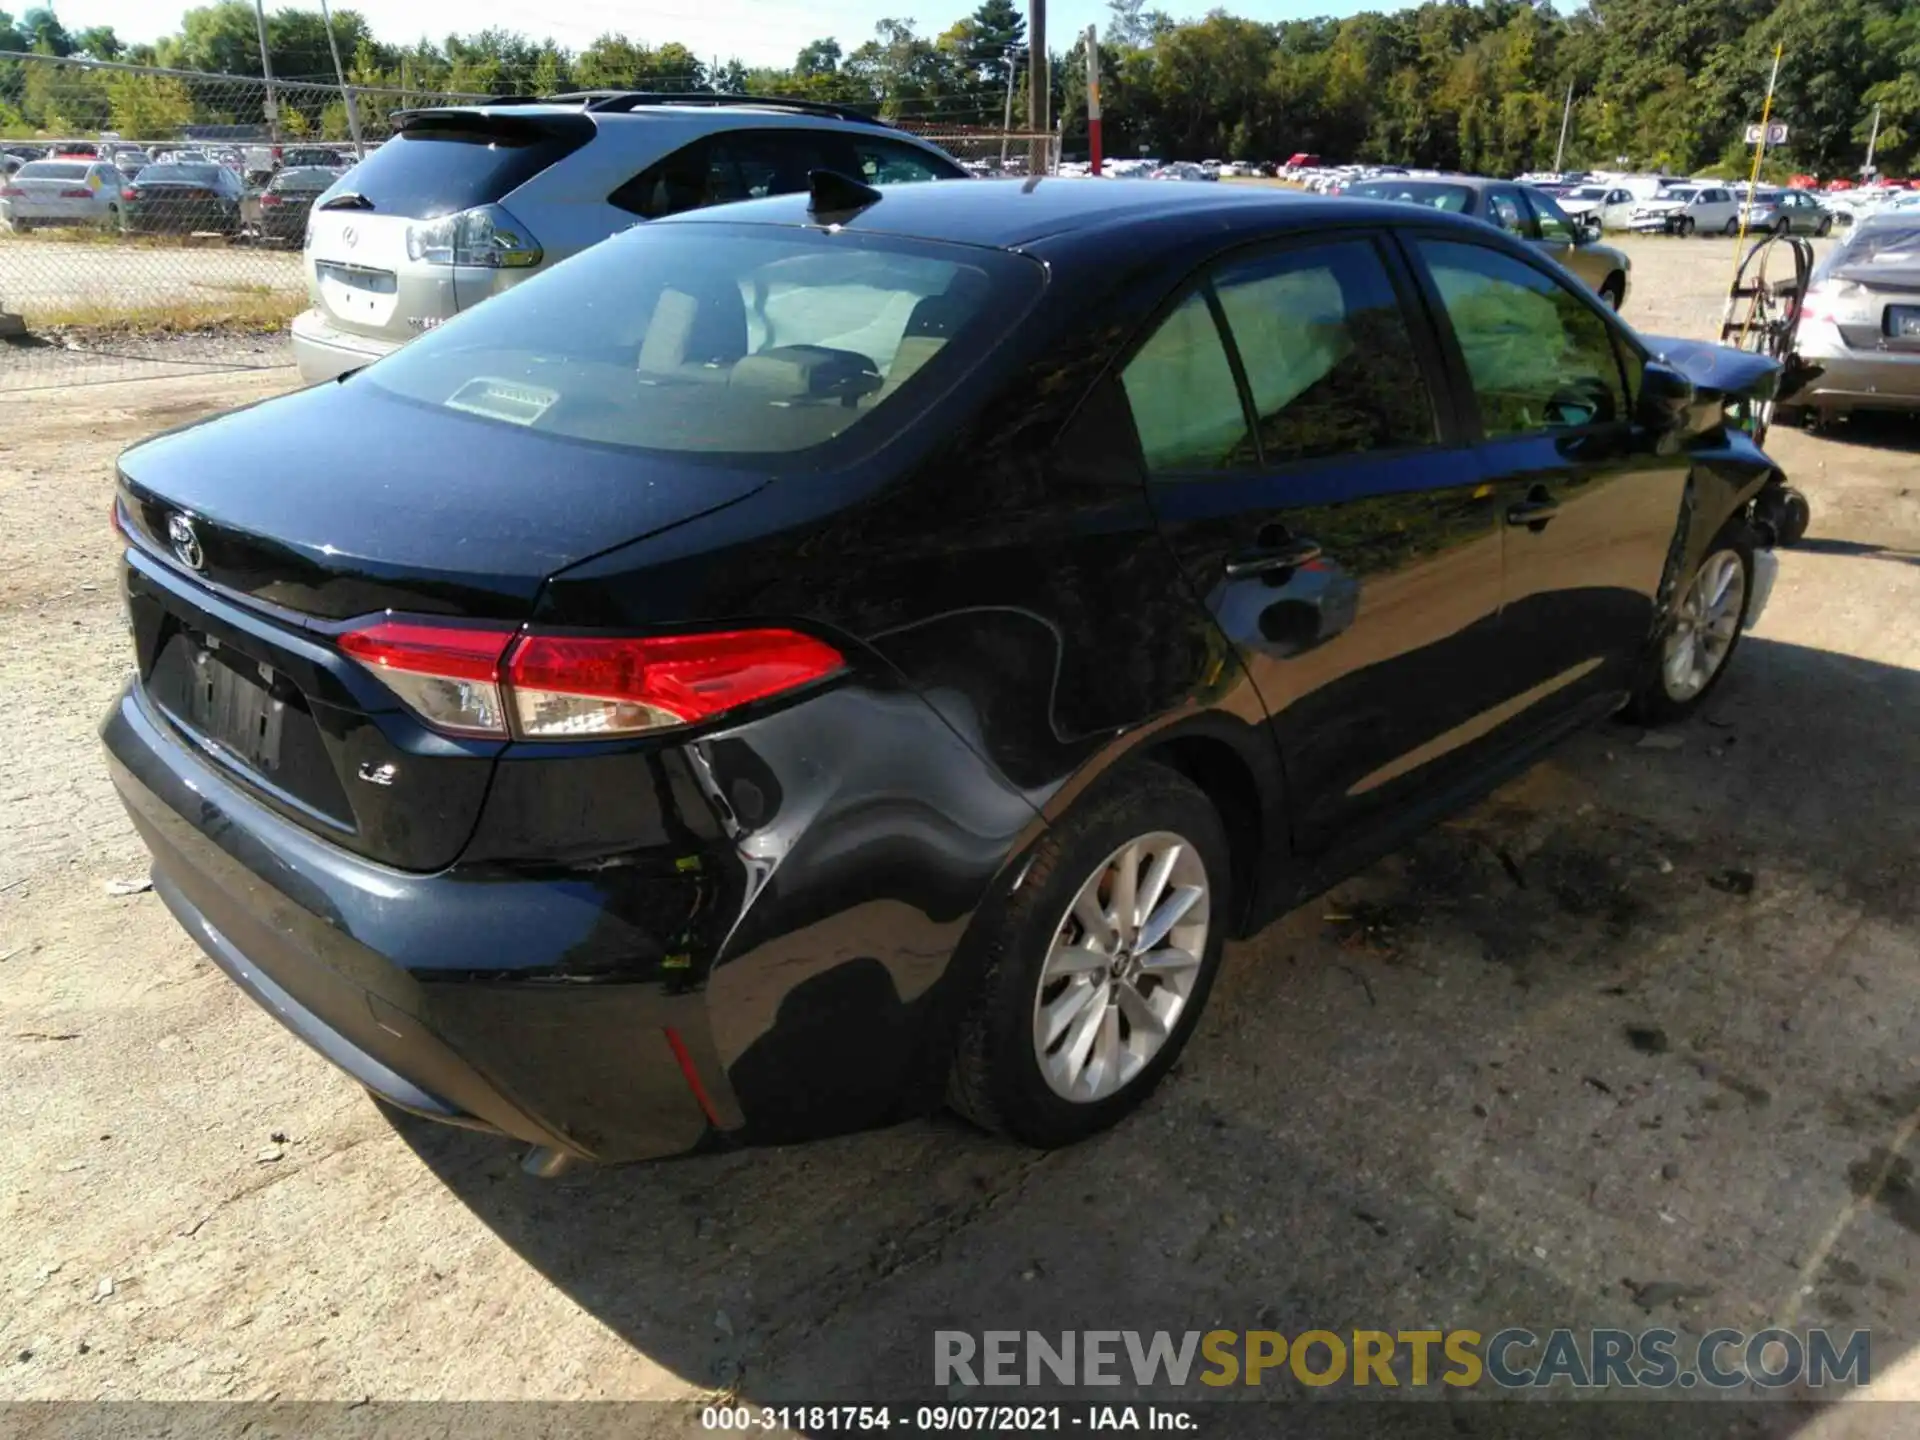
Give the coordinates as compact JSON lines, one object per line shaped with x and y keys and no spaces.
{"x":1289,"y":555}
{"x":1535,"y":511}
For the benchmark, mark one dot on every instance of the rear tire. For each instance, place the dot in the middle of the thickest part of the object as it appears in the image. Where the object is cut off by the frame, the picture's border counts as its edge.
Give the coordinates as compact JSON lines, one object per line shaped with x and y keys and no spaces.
{"x":1698,"y":639}
{"x":1825,"y":227}
{"x":1732,"y":227}
{"x":1047,"y":991}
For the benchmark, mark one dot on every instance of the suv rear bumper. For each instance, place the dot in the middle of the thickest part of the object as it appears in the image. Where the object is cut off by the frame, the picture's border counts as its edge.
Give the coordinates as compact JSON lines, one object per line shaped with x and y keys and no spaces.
{"x":323,"y":351}
{"x":308,"y":931}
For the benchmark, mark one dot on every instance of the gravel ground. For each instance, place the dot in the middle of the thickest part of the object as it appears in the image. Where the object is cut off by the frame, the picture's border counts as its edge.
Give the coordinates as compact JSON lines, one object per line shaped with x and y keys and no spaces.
{"x":1547,"y":1057}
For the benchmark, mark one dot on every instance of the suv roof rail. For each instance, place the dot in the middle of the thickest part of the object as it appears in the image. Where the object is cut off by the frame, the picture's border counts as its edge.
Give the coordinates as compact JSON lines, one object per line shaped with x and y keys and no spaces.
{"x":617,"y":102}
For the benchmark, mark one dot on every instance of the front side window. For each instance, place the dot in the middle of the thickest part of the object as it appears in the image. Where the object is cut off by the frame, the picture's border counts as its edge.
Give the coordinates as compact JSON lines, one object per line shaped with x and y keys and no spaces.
{"x":1539,"y":357}
{"x":1328,"y":357}
{"x":1552,"y":220}
{"x":1185,"y":404}
{"x":718,"y":340}
{"x":1503,"y":209}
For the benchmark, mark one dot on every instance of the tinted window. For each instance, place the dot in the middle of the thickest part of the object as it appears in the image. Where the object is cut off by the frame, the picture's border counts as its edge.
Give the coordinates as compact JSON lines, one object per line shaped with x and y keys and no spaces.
{"x":1456,"y":198}
{"x":203,"y":175}
{"x":1503,"y":209}
{"x":1551,"y":219}
{"x":734,"y":165}
{"x":707,"y":340}
{"x":1327,"y":355}
{"x":880,"y":161}
{"x":445,"y":164}
{"x":1539,"y":357}
{"x":1185,"y":404}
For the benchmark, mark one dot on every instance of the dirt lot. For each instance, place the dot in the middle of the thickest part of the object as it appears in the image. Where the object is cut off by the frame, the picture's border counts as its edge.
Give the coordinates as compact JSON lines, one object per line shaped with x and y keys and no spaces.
{"x":1550,"y":1056}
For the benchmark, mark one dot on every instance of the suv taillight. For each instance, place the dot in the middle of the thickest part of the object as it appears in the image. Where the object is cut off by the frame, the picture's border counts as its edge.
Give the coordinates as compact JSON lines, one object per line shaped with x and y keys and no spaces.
{"x":486,"y":680}
{"x":486,"y":235}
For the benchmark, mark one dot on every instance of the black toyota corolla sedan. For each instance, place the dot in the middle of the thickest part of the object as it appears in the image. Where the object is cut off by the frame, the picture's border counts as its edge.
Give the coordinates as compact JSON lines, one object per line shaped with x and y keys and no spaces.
{"x":797,"y":663}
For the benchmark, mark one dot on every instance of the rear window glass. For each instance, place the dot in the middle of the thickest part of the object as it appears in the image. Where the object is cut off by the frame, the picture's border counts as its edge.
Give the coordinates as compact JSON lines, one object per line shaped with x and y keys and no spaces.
{"x":179,"y":175}
{"x":1883,"y":245}
{"x":1415,"y":192}
{"x":717,"y":340}
{"x":303,"y":180}
{"x":52,"y":170}
{"x":449,"y":164}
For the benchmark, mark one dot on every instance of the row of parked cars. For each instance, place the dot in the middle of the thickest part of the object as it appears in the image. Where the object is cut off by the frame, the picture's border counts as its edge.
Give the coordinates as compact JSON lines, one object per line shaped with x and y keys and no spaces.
{"x":178,"y":191}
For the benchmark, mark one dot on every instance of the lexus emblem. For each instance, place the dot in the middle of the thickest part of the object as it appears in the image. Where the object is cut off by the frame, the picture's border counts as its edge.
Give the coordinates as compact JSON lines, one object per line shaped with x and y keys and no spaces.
{"x":350,"y":237}
{"x":186,"y":544}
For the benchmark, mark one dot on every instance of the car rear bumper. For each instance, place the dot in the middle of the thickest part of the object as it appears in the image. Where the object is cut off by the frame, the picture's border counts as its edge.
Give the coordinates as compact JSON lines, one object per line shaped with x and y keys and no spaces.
{"x":1856,"y":379}
{"x":607,"y":1071}
{"x":323,"y":351}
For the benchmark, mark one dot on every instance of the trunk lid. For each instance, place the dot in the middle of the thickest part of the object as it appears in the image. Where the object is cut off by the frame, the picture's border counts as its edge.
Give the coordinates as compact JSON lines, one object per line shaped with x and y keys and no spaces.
{"x":339,"y":502}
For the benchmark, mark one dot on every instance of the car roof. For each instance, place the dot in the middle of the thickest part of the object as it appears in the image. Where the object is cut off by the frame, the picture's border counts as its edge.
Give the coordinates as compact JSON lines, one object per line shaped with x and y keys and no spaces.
{"x":1007,"y":214}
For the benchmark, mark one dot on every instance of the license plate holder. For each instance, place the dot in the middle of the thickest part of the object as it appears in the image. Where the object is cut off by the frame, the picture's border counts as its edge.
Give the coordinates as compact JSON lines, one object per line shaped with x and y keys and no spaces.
{"x":235,"y":712}
{"x":1903,"y":322}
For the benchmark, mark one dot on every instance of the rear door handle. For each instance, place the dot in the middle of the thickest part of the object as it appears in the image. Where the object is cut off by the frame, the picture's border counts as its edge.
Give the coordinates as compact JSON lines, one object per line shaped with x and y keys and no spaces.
{"x":1289,"y":555}
{"x":1533,"y":512}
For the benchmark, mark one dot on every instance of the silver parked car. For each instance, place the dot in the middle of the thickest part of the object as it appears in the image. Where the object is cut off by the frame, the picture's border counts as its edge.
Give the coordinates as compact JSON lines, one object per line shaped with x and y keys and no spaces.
{"x":1787,"y":212}
{"x":1861,"y":322}
{"x":464,"y":202}
{"x":1706,"y":208}
{"x":62,"y":192}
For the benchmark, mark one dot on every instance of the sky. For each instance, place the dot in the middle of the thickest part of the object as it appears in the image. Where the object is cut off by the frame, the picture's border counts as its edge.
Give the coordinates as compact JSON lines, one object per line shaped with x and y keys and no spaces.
{"x":759,"y":32}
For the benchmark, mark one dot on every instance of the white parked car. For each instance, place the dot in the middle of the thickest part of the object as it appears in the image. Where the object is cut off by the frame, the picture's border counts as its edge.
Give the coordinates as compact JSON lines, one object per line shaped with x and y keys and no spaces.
{"x":1611,"y":206}
{"x":62,"y":192}
{"x":1689,"y":209}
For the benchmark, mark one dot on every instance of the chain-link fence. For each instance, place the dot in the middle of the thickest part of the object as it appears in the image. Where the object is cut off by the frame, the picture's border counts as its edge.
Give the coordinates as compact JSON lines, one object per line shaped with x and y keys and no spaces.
{"x":151,"y":220}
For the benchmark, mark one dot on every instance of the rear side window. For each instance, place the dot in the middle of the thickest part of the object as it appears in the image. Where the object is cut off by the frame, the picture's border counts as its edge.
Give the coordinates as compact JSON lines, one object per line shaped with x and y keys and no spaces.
{"x":1327,"y":354}
{"x":712,"y":340}
{"x":733,"y":165}
{"x":880,"y":161}
{"x":439,"y":165}
{"x":1185,"y":404}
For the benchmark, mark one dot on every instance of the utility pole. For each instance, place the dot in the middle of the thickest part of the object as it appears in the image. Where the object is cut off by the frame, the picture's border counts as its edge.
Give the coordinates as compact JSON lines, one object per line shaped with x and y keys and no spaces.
{"x":1093,"y":98}
{"x":1873,"y":138}
{"x":1039,"y":90}
{"x":266,"y":70}
{"x":1006,"y":128}
{"x":346,"y":91}
{"x":1566,"y":114}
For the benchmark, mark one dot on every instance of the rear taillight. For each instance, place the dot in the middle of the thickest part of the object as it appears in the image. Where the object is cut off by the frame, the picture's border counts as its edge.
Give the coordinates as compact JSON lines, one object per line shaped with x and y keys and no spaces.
{"x":449,"y":674}
{"x":271,"y":199}
{"x":1838,"y":302}
{"x":484,"y":680}
{"x":78,"y":193}
{"x":129,"y":194}
{"x":13,"y":192}
{"x":486,"y":235}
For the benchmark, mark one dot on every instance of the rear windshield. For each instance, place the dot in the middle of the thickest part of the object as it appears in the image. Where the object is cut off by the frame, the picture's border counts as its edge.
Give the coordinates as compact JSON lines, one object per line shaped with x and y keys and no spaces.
{"x":308,"y":157}
{"x":719,"y":340}
{"x":1417,"y":192}
{"x":51,"y":170}
{"x":1885,"y":254}
{"x":442,"y":164}
{"x":314,"y":179}
{"x":179,"y":175}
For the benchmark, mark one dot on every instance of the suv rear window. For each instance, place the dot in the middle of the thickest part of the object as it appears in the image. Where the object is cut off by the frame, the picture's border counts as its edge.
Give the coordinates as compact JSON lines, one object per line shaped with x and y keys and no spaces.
{"x":719,"y":340}
{"x":447,"y":162}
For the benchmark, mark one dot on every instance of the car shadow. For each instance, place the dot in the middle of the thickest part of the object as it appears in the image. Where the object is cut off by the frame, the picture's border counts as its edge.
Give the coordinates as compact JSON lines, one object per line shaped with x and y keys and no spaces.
{"x":1860,"y":548}
{"x":1880,"y":429}
{"x":1588,"y":1055}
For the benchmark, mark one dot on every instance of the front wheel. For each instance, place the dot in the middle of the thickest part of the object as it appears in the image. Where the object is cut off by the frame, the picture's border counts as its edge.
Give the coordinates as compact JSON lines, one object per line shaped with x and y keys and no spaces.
{"x":1684,"y":226}
{"x":1702,"y":632}
{"x":1096,"y":967}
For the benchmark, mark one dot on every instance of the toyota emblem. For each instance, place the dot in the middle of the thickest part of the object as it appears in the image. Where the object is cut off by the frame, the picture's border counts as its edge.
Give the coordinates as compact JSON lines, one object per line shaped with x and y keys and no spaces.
{"x":350,"y":237}
{"x":186,"y":544}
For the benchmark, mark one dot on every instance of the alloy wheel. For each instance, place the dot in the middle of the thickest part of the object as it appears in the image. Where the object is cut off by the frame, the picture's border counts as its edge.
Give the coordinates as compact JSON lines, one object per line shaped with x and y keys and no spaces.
{"x":1705,"y":626}
{"x":1121,"y":967}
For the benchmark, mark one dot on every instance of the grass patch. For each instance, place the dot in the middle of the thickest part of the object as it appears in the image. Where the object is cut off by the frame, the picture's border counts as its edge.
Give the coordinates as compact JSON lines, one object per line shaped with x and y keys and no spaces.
{"x":250,"y":310}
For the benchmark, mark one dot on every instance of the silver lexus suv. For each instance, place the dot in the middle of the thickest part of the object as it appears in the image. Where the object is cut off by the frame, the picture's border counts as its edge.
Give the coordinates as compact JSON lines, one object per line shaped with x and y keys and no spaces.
{"x":463,"y":202}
